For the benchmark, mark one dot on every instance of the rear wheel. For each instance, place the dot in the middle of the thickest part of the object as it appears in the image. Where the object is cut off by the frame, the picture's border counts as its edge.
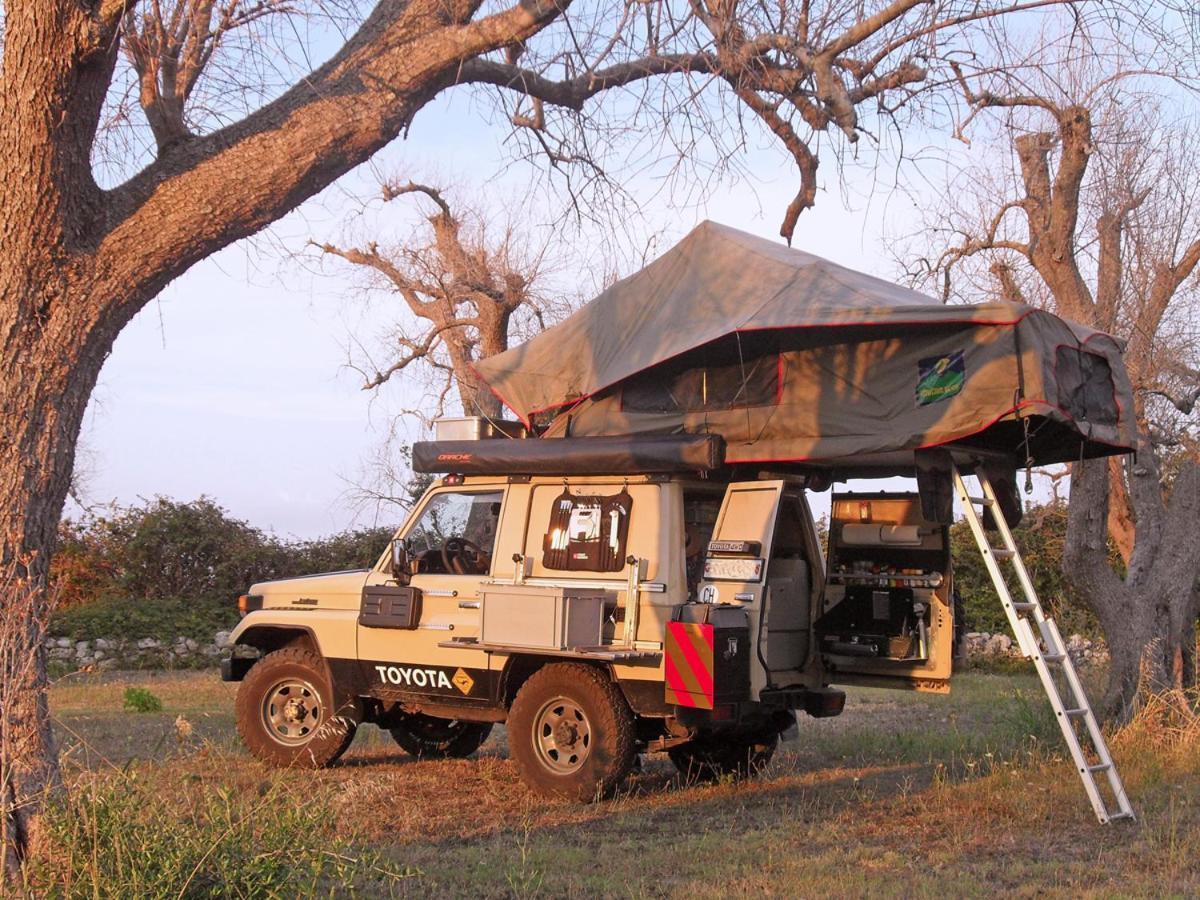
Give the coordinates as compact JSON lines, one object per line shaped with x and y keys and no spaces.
{"x":571,"y":732}
{"x":426,"y":737}
{"x":285,"y":711}
{"x":714,"y":756}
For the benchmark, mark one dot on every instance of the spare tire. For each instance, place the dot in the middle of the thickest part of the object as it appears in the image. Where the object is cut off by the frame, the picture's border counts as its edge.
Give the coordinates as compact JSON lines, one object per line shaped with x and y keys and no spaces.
{"x":427,"y":737}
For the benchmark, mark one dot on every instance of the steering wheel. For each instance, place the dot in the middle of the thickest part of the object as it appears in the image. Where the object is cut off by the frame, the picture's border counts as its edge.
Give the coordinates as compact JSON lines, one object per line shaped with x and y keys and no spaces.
{"x":461,"y":556}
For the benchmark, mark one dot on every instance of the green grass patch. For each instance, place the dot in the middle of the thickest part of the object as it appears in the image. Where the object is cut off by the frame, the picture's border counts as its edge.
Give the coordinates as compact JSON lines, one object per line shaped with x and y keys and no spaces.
{"x":141,"y":700}
{"x":117,"y":835}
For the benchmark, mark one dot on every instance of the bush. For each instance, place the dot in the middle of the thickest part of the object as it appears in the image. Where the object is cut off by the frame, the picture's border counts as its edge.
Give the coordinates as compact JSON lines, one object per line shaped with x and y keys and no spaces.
{"x":357,"y":549}
{"x":141,"y":700}
{"x":134,"y":618}
{"x":168,"y":568}
{"x":1040,"y":536}
{"x":116,"y":836}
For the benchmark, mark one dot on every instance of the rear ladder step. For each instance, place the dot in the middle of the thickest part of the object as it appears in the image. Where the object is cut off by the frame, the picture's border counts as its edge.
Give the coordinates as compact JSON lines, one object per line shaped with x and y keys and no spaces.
{"x":1023,"y":608}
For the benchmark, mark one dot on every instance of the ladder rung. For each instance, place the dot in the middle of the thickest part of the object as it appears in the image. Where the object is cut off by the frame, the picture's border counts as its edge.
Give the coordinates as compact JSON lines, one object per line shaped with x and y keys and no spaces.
{"x":1102,"y":767}
{"x":1002,"y":552}
{"x":981,"y":501}
{"x":1076,"y":713}
{"x":1127,"y":814}
{"x":1054,"y":657}
{"x":1024,"y":607}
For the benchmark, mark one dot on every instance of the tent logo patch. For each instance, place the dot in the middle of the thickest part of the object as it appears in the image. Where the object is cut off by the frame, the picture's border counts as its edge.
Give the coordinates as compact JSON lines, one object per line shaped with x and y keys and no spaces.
{"x":940,"y":377}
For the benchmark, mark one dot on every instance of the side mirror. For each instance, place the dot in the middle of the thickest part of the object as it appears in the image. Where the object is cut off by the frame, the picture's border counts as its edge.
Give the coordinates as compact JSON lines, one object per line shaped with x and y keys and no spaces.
{"x":399,"y":557}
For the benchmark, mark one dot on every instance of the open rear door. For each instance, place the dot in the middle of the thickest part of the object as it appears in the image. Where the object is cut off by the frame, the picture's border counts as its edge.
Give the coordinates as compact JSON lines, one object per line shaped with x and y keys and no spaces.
{"x":739,"y":568}
{"x":888,"y":616}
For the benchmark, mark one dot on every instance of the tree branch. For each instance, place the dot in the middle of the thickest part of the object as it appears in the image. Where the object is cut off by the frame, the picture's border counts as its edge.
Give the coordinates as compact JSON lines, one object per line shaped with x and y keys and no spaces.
{"x":574,"y":92}
{"x":209,"y":191}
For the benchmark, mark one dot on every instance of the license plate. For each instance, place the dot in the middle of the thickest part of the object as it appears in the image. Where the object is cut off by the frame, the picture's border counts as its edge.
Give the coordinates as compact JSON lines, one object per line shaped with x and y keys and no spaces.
{"x":718,"y":568}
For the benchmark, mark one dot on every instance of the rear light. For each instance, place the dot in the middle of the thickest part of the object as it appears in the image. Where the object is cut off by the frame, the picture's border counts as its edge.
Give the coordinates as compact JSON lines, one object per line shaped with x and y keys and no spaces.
{"x":726,"y":712}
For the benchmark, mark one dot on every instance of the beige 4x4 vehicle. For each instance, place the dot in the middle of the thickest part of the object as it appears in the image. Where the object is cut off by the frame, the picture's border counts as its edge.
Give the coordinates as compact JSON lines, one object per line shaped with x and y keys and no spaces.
{"x":602,"y":598}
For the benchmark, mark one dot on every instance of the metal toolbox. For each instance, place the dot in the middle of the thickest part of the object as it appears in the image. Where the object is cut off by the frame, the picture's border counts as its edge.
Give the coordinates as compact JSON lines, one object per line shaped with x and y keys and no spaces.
{"x":475,"y":428}
{"x":545,"y":617}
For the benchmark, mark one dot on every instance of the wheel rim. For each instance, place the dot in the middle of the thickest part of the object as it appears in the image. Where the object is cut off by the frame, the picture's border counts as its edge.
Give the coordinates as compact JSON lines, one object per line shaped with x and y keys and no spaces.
{"x":291,"y":711}
{"x":562,"y":736}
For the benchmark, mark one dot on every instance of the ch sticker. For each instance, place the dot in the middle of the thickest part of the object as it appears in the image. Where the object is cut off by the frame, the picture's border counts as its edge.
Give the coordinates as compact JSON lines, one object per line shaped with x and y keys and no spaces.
{"x":463,"y":681}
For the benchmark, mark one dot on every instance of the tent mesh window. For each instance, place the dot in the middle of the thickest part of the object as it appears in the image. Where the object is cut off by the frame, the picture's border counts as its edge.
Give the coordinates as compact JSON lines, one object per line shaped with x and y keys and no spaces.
{"x":1087,"y":385}
{"x":705,"y":389}
{"x":587,"y":532}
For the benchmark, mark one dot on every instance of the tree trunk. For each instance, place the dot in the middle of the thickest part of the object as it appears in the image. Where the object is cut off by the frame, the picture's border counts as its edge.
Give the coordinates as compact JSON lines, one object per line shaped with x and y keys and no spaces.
{"x":53,"y":342}
{"x":1148,"y":617}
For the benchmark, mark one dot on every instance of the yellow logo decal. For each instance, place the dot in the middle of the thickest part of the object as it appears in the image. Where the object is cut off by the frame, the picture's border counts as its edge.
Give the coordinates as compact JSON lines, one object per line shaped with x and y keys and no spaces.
{"x":463,"y":681}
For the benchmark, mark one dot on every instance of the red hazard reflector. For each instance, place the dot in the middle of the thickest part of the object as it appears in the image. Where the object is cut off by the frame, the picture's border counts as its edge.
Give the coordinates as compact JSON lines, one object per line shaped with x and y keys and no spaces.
{"x":688,"y":668}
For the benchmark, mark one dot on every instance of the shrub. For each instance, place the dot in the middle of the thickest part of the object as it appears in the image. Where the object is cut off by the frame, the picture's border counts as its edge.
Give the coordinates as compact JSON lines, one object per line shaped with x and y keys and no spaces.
{"x":1040,"y":536}
{"x":168,"y":568}
{"x":356,"y":549}
{"x":141,"y":700}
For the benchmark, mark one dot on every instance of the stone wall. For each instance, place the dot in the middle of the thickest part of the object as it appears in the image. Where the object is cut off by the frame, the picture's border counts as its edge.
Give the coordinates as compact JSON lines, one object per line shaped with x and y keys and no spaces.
{"x":983,"y":645}
{"x":104,"y":654}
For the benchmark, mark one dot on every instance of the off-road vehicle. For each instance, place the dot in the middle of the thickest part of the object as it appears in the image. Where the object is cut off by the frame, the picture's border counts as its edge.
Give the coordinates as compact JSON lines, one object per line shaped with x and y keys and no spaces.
{"x":651,"y":604}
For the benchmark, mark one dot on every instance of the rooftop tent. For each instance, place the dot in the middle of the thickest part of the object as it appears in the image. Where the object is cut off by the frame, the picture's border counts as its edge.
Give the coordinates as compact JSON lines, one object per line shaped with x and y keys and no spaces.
{"x":791,"y":358}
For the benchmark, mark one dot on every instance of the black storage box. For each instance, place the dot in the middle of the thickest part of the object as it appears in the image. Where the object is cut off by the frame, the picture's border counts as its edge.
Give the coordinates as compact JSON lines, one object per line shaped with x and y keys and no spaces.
{"x":390,"y":606}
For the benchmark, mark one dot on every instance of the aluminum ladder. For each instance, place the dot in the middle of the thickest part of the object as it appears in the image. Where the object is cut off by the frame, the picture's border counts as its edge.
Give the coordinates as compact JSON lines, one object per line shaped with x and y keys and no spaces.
{"x":1046,"y":648}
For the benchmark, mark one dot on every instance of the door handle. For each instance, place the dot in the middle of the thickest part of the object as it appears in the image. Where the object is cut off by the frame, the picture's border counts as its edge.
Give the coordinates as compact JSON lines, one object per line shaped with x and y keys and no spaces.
{"x":469,"y":604}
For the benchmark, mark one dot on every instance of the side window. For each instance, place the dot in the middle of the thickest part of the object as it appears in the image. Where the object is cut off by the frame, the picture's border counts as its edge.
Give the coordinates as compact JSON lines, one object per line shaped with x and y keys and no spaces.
{"x":707,"y":389}
{"x":1086,"y":381}
{"x":699,"y":518}
{"x":587,"y":532}
{"x":456,"y":533}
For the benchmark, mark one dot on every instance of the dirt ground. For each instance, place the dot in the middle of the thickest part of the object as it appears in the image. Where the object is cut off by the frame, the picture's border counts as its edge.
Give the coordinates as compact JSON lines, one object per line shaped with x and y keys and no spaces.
{"x":903,"y":795}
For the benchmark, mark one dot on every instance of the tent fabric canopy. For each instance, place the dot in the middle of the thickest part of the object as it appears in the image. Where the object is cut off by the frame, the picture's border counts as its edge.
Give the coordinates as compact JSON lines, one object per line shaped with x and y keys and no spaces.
{"x":790,"y":358}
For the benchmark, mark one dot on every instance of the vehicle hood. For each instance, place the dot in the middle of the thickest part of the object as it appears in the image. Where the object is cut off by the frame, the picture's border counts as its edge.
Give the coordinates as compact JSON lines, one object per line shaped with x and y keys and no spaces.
{"x":328,"y":590}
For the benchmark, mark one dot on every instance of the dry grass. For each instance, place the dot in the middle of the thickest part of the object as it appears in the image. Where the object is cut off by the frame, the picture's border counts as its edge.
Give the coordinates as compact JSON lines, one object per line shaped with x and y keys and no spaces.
{"x":904,"y":795}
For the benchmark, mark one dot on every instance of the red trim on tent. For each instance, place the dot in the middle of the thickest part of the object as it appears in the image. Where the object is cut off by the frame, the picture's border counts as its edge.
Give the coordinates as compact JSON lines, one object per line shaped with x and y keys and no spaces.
{"x":958,"y":437}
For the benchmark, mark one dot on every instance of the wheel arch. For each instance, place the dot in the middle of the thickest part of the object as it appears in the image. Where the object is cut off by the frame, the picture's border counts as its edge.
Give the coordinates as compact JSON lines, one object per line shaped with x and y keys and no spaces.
{"x":521,"y":667}
{"x":268,"y":637}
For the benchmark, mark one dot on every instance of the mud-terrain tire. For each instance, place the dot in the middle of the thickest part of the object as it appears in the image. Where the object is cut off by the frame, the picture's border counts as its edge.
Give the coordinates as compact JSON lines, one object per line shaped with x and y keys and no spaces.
{"x":285,"y":711}
{"x":713,"y":757}
{"x":571,"y":732}
{"x":427,"y":737}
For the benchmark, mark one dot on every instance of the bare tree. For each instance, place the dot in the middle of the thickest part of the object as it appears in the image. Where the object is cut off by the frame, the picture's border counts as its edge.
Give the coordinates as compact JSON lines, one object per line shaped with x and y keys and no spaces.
{"x":1098,"y":217}
{"x":463,"y":283}
{"x":78,"y":261}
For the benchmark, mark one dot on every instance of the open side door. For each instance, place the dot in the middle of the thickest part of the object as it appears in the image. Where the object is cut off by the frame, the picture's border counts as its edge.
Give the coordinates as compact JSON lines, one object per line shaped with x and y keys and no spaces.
{"x":887,"y":619}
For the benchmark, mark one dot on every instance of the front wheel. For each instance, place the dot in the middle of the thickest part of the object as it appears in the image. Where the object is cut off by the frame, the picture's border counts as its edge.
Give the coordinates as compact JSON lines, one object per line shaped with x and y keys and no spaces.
{"x":285,"y":711}
{"x":427,"y":737}
{"x":714,"y":756}
{"x":571,"y":732}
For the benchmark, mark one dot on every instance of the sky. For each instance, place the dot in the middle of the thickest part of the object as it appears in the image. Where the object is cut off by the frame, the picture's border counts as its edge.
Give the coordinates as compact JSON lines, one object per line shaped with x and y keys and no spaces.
{"x":234,"y":383}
